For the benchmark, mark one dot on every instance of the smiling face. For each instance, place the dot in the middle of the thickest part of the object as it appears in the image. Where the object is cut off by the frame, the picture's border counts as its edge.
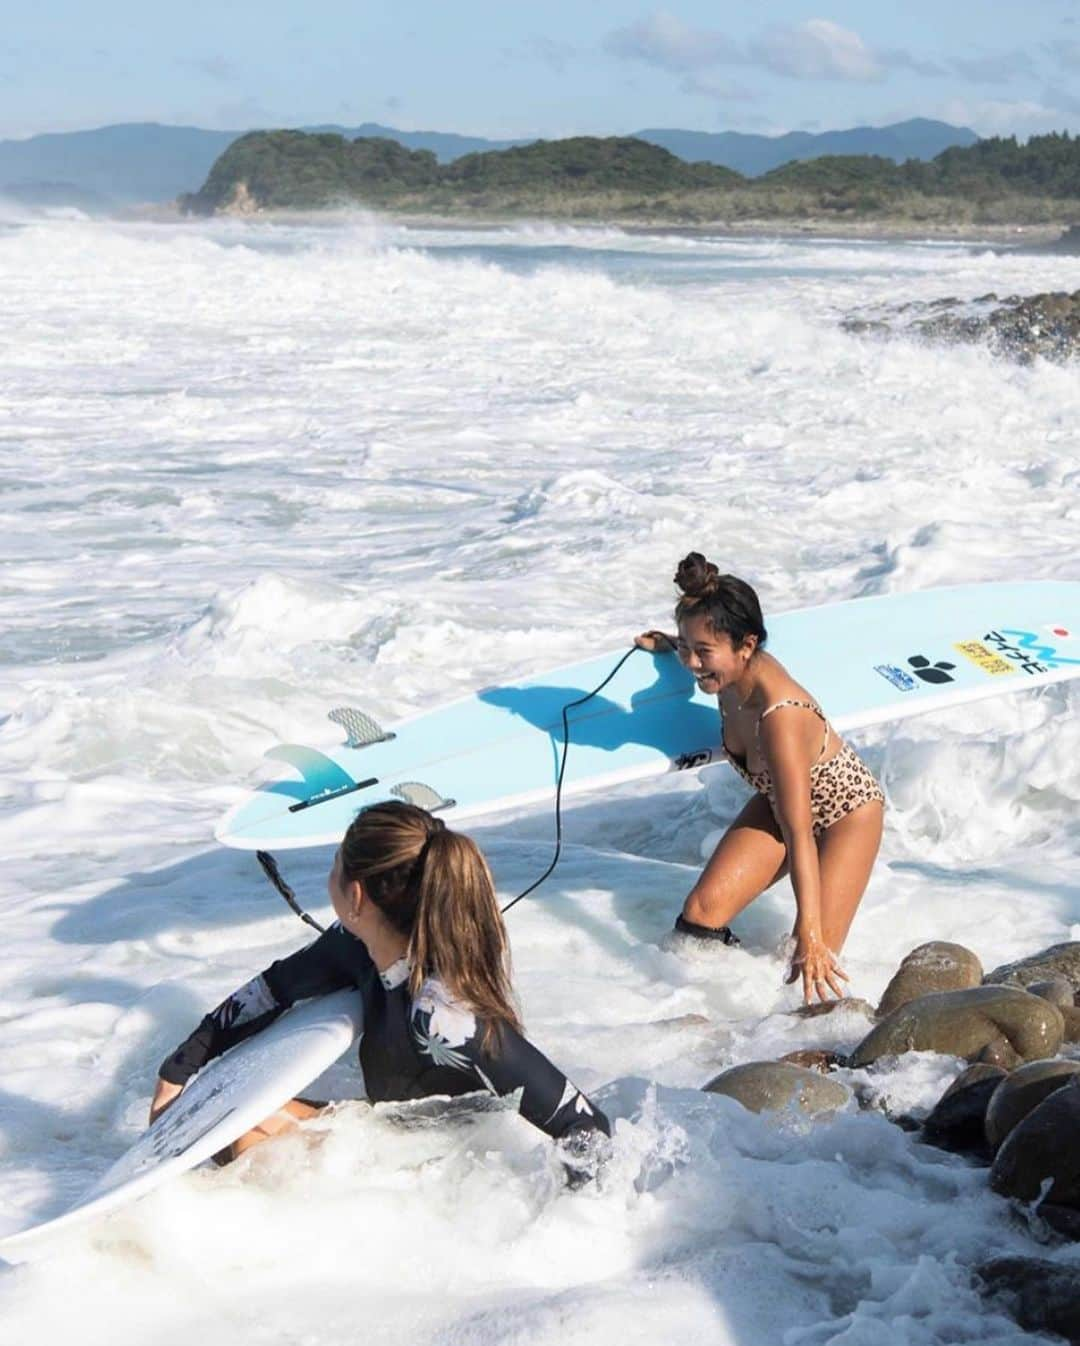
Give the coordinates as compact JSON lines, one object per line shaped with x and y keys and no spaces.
{"x":709,"y":654}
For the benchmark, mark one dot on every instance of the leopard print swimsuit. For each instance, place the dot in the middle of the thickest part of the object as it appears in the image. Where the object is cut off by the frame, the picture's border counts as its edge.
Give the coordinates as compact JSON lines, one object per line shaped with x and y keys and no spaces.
{"x":839,"y":784}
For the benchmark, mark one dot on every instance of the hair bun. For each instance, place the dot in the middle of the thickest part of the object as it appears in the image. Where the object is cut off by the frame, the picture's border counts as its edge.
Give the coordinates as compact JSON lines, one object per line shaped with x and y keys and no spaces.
{"x":696,"y":577}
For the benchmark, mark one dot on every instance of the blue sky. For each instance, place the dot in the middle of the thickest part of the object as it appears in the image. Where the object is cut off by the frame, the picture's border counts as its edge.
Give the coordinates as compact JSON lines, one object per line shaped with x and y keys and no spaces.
{"x":504,"y":68}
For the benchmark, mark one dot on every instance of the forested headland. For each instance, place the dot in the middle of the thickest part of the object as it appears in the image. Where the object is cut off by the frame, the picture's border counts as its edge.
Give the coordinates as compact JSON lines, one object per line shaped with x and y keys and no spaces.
{"x":620,"y":179}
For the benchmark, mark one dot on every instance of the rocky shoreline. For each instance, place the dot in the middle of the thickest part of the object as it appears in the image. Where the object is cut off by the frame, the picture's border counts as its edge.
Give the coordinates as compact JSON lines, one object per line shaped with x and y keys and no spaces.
{"x":1022,"y":328}
{"x":1014,"y":1109}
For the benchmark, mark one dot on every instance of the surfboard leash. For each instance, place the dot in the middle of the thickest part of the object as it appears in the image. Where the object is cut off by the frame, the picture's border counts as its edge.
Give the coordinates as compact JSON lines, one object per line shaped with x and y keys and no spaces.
{"x":270,"y":869}
{"x":270,"y":866}
{"x":562,"y":772}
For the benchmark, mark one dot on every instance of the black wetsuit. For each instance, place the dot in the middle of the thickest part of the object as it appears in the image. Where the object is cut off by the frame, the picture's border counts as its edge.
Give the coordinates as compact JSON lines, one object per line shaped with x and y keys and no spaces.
{"x":409,"y":1049}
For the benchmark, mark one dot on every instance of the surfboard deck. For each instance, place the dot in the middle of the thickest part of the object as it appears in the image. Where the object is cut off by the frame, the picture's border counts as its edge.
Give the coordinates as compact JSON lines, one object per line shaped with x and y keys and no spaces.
{"x":227,"y":1098}
{"x":868,"y":661}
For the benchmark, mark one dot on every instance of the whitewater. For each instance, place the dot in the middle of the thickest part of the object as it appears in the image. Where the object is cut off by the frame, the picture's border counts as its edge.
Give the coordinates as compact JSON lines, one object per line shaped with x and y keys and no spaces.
{"x":251,"y":471}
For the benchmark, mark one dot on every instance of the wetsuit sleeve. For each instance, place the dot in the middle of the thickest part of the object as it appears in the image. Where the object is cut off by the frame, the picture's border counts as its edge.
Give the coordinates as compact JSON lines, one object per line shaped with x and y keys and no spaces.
{"x":450,"y":1035}
{"x":335,"y":960}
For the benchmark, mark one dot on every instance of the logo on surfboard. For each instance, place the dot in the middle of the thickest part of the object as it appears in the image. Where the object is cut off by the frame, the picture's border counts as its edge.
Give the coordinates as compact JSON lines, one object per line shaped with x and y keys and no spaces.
{"x":941,"y":671}
{"x":1027,"y":650}
{"x":904,"y":681}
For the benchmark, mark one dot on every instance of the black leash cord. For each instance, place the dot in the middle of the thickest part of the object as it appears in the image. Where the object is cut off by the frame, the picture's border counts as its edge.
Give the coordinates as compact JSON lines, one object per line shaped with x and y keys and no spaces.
{"x":562,"y":772}
{"x":272,"y":872}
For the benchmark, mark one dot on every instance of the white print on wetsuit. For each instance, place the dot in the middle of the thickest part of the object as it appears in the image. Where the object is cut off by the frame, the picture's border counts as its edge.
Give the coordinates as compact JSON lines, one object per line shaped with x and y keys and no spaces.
{"x":251,"y":1001}
{"x":571,"y":1093}
{"x":449,"y":1024}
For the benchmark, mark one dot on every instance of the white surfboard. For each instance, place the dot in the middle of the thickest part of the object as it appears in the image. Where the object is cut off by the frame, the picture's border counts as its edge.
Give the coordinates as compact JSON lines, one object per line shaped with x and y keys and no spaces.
{"x":233,"y":1093}
{"x":867,"y":661}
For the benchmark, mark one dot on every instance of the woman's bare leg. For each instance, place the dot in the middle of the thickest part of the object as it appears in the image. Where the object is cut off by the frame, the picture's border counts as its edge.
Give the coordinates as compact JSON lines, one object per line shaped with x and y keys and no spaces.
{"x":846,"y":855}
{"x":749,"y":858}
{"x":284,"y":1119}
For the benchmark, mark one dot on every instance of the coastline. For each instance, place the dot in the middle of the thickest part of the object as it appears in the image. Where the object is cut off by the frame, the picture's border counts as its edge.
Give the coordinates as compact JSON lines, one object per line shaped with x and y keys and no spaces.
{"x":881,"y":230}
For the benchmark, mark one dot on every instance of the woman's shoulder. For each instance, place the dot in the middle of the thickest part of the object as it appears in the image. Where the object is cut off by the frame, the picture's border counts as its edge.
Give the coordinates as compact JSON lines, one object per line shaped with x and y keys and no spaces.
{"x":777,"y":688}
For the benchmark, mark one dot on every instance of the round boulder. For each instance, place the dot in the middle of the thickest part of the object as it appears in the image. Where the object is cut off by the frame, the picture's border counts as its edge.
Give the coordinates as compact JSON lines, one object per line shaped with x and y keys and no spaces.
{"x":929,"y":969}
{"x":958,"y":1120}
{"x":998,"y":1024}
{"x":1040,"y":1157}
{"x":1060,"y":960}
{"x":1042,"y":1296}
{"x":1058,"y":990}
{"x":773,"y":1086}
{"x":1021,"y":1092}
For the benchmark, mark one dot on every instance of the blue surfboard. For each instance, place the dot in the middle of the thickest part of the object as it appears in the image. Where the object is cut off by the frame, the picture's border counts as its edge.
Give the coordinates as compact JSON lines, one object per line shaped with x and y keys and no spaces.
{"x":868,"y":661}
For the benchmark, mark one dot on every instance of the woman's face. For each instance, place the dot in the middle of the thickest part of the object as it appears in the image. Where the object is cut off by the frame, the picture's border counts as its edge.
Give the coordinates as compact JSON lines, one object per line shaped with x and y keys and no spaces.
{"x":710,"y":655}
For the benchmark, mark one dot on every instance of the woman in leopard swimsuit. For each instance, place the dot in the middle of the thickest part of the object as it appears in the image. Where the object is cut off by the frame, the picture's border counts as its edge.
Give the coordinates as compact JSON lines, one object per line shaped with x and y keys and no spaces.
{"x":816,"y":814}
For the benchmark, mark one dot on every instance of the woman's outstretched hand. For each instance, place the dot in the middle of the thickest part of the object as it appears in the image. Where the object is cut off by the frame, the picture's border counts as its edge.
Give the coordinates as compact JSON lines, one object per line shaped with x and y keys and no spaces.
{"x":164,"y":1094}
{"x":656,"y":642}
{"x":816,"y":963}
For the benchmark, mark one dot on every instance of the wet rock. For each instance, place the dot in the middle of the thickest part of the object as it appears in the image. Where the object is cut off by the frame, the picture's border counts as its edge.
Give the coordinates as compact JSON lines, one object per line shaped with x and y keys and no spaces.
{"x":929,"y":969}
{"x":1040,"y":1157}
{"x":958,"y":1120}
{"x":1001,"y":1025}
{"x":1041,"y":1295}
{"x":1022,"y":1092}
{"x":1060,"y":960}
{"x":1061,"y":1220}
{"x":812,"y":1059}
{"x":1071,"y":1018}
{"x":1058,"y":990}
{"x":1019,"y":327}
{"x":849,"y":1004}
{"x":772,"y":1086}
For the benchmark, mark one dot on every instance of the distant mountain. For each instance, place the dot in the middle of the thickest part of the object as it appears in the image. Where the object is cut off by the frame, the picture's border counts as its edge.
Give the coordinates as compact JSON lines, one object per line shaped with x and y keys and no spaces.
{"x":143,"y":161}
{"x":753,"y":155}
{"x":445,"y":145}
{"x":138,"y":161}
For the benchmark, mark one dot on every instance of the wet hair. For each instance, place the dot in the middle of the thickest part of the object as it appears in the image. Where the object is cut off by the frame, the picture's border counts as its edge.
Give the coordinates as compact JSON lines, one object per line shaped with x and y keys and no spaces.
{"x":434,"y":886}
{"x":727,"y":603}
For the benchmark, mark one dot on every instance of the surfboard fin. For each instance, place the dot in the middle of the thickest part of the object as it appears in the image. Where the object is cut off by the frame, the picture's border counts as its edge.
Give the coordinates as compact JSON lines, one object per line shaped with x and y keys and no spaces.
{"x":361,"y":730}
{"x":423,"y":796}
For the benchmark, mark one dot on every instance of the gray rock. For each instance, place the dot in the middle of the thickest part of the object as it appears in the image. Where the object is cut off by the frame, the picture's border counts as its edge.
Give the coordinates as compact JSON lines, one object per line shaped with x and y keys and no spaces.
{"x":1040,"y":1157}
{"x":812,"y":1058}
{"x":1022,"y":1092}
{"x":772,"y":1086}
{"x":1041,"y":1295}
{"x":929,"y":969}
{"x":1058,"y":990}
{"x":848,"y":1004}
{"x":1018,"y":327}
{"x":1060,"y":960}
{"x":958,"y":1120}
{"x":1001,"y":1025}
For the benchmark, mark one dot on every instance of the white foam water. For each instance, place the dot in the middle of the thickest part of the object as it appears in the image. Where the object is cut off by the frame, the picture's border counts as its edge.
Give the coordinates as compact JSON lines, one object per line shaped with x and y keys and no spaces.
{"x":250,"y":470}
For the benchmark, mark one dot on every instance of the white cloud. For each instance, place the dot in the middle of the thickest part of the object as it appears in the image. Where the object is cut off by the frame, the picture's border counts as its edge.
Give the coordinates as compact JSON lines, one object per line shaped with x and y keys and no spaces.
{"x":817,"y":49}
{"x":718,"y":88}
{"x":1001,"y":117}
{"x":665,"y":41}
{"x":995,"y":68}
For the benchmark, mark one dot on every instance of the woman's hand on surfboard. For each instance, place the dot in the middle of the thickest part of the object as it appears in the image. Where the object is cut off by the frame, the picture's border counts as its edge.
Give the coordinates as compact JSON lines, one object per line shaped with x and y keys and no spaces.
{"x":816,"y":963}
{"x":656,"y":642}
{"x":164,"y":1094}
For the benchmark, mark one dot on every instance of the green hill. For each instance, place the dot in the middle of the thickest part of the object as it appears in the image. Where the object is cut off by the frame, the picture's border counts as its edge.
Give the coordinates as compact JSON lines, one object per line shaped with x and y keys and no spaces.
{"x":992,"y":181}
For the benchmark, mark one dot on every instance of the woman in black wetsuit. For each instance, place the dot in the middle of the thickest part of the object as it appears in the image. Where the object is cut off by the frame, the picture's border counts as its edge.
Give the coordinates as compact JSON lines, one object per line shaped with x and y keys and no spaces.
{"x":419,"y":932}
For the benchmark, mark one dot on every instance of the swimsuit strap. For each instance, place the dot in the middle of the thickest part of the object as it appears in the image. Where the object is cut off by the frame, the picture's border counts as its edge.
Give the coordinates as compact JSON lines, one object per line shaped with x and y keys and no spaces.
{"x":802,"y":705}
